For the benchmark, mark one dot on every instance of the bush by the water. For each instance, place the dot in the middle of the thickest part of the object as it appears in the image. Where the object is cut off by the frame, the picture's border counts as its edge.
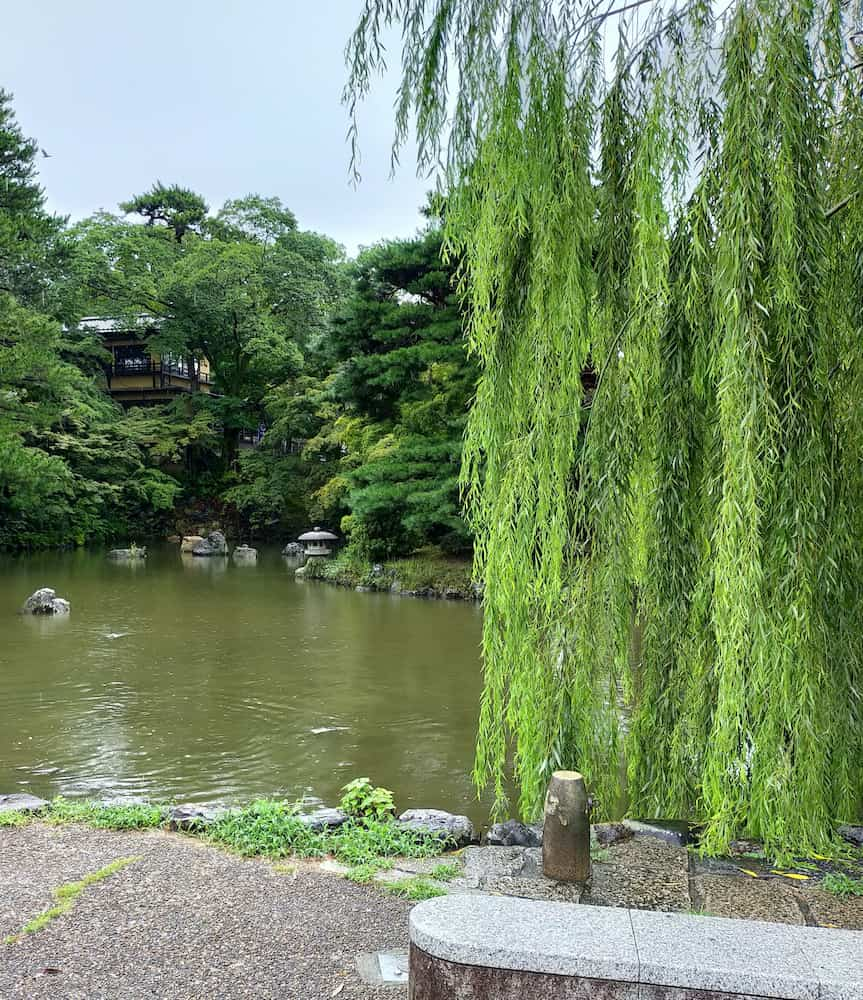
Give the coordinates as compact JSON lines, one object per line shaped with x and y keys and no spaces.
{"x":428,"y":572}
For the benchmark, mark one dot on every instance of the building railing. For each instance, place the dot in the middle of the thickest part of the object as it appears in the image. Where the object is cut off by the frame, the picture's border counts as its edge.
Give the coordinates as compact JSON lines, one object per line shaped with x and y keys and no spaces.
{"x":155,"y":368}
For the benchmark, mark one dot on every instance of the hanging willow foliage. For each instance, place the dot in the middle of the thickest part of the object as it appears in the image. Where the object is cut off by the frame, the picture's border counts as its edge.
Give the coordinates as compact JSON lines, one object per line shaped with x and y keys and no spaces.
{"x":658,"y":216}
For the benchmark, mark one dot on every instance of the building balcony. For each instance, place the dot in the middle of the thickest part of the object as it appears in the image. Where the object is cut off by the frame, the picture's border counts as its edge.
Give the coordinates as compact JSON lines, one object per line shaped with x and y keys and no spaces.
{"x":131,"y":381}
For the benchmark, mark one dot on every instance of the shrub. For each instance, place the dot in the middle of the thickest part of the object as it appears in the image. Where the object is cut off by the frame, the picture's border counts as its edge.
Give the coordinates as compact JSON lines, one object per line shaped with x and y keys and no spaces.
{"x":364,"y":801}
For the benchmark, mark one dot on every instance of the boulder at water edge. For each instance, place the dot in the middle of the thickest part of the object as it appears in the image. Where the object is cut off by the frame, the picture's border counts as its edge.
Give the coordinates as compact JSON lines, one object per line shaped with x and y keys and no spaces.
{"x":245,"y":554}
{"x":323,"y":819}
{"x":213,"y":545}
{"x":447,"y":826}
{"x":189,"y":542}
{"x":194,"y":817}
{"x":853,"y":834}
{"x":513,"y":833}
{"x":45,"y":602}
{"x":21,"y":803}
{"x":293,"y":549}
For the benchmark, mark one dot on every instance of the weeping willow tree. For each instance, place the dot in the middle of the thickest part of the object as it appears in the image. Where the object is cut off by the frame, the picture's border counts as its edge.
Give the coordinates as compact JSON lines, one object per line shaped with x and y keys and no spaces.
{"x":658,"y":220}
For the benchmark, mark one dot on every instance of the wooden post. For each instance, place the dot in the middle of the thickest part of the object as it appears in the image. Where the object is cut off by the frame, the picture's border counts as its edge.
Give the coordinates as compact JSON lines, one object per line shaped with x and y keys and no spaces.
{"x":566,"y":829}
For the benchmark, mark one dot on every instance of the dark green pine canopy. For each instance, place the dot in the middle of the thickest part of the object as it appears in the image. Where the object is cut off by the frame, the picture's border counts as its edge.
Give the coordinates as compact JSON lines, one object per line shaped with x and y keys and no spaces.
{"x":656,"y":216}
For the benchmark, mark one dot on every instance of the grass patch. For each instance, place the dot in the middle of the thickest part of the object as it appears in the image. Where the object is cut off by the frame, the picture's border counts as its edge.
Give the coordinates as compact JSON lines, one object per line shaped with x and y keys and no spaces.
{"x":445,"y":872}
{"x":358,"y":842}
{"x":842,"y":885}
{"x":15,"y":818}
{"x":134,"y":816}
{"x":415,"y":889}
{"x":365,"y":873}
{"x":274,"y":830}
{"x":267,"y":829}
{"x":65,"y":897}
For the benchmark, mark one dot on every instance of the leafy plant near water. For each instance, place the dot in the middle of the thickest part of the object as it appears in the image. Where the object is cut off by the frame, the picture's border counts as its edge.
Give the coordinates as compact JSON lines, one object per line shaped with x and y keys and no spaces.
{"x":363,"y":801}
{"x":661,"y":256}
{"x":65,"y":896}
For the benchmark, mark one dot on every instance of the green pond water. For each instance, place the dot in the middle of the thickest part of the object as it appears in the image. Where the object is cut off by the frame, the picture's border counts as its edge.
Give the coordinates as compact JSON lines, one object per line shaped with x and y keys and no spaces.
{"x":185,"y":679}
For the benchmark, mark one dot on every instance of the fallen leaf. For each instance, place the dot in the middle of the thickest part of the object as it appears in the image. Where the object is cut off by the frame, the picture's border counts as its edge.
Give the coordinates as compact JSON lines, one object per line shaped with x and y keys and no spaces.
{"x":748,"y":871}
{"x":337,"y":990}
{"x":800,"y":878}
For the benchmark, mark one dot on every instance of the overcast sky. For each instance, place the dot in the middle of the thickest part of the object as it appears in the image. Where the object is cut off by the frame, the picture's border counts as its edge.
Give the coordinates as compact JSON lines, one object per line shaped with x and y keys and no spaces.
{"x":226,"y":97}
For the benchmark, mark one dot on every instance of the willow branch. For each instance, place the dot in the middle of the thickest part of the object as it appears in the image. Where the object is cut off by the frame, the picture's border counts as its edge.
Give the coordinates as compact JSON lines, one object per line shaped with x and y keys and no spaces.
{"x":839,"y":205}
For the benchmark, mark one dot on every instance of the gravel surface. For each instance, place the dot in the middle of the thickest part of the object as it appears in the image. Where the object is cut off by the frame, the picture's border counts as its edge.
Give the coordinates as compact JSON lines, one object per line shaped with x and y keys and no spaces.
{"x":184,"y":921}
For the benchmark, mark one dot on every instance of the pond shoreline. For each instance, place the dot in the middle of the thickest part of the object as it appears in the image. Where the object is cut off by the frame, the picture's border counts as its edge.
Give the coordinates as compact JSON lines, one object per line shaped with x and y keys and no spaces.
{"x":430,"y":578}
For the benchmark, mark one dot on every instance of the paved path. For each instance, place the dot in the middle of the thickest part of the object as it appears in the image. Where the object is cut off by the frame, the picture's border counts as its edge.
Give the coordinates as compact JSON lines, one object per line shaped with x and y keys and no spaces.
{"x":185,"y":921}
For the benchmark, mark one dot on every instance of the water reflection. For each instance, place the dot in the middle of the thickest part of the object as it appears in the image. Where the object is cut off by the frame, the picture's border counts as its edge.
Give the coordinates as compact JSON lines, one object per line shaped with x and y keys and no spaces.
{"x":206,"y":564}
{"x":200,"y":680}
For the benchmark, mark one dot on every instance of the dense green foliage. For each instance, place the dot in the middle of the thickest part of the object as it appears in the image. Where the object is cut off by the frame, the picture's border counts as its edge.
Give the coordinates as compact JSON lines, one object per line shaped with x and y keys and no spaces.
{"x":363,"y":800}
{"x":71,"y":468}
{"x":351,"y":378}
{"x":657,"y":216}
{"x":404,"y":380}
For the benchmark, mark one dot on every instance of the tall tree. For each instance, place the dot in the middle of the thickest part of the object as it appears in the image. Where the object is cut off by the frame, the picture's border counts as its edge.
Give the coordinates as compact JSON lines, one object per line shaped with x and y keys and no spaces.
{"x":661,"y":255}
{"x":247,"y":289}
{"x":402,"y":370}
{"x":71,"y":469}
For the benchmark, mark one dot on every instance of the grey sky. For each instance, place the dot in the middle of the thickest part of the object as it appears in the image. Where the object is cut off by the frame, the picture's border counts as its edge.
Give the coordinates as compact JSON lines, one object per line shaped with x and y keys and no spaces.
{"x":224,"y":97}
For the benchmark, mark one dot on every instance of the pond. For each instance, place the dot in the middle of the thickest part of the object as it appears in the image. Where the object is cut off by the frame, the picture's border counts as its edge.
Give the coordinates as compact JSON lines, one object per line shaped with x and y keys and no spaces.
{"x":189,"y":679}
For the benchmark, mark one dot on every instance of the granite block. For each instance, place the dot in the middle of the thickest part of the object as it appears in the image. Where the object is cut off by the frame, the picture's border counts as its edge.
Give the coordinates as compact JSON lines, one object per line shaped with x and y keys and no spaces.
{"x":557,"y":938}
{"x":726,"y":956}
{"x":437,"y":979}
{"x":836,"y":958}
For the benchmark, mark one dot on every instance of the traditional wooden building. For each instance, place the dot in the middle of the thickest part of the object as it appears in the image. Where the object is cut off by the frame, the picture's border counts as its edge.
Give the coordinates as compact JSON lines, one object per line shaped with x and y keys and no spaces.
{"x":136,"y":374}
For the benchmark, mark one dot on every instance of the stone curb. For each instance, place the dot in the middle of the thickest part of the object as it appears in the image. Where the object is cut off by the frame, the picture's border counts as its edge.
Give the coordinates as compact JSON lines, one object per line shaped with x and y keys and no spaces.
{"x":652,"y":949}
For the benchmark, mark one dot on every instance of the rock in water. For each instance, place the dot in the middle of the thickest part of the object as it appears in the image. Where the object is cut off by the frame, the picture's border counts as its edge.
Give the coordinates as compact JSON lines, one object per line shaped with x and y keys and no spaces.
{"x":213,"y":545}
{"x":21,"y":803}
{"x":122,"y":554}
{"x":444,"y":825}
{"x":45,"y":602}
{"x":513,"y":833}
{"x":190,"y":541}
{"x":245,"y":554}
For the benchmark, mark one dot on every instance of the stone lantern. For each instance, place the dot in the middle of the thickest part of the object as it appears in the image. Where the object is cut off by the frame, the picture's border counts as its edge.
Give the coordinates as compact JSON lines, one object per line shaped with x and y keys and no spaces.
{"x":318,"y":542}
